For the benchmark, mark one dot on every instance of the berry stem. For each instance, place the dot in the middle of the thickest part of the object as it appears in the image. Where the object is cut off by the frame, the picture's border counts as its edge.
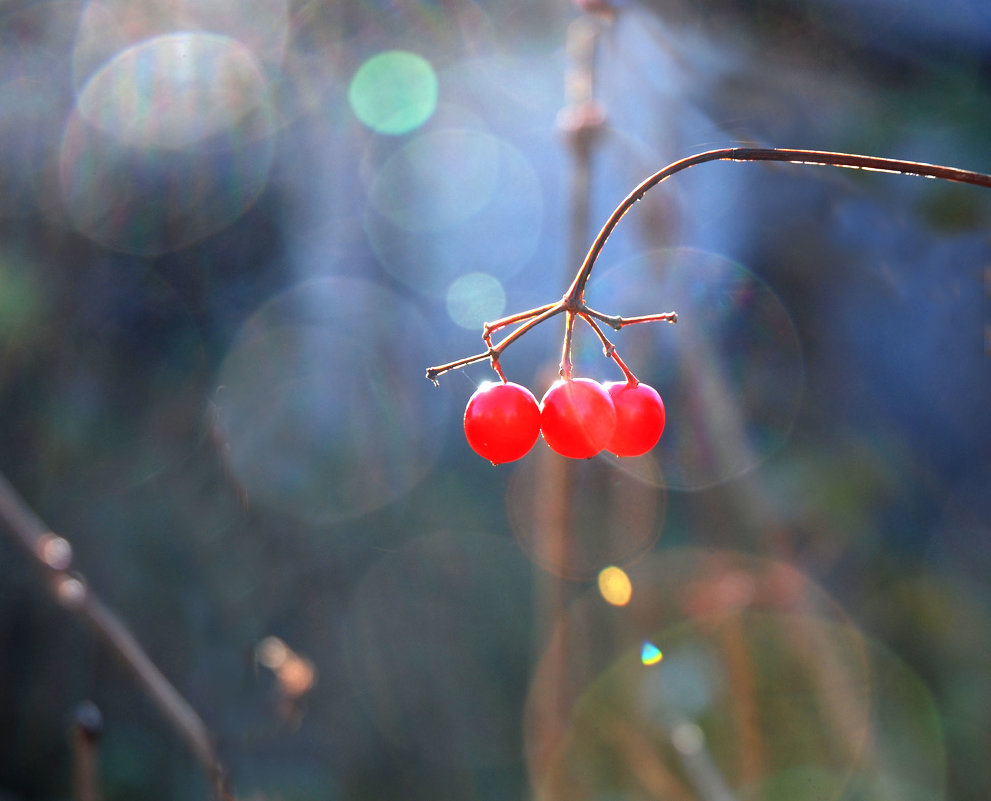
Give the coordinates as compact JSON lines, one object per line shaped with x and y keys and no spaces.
{"x":616,"y":322}
{"x":493,"y":359}
{"x":494,"y":362}
{"x":573,"y":301}
{"x":610,"y":351}
{"x":569,"y":331}
{"x":488,"y":329}
{"x":532,"y":317}
{"x":807,"y":157}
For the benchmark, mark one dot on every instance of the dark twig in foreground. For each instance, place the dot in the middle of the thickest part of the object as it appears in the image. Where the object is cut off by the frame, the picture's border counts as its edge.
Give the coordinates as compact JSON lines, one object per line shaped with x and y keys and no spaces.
{"x":53,"y":554}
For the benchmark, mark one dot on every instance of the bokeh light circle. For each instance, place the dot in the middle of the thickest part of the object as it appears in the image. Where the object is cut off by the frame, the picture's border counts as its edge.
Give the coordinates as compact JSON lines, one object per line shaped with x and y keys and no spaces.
{"x":298,"y":53}
{"x":394,"y":92}
{"x":615,"y":586}
{"x":776,"y":705}
{"x":151,"y":201}
{"x":108,"y":27}
{"x":475,"y":299}
{"x":762,"y":674}
{"x":452,"y":202}
{"x":320,"y":416}
{"x":438,"y":180}
{"x":731,"y":370}
{"x":170,"y":142}
{"x":437,"y":643}
{"x":175,"y":90}
{"x":576,"y":517}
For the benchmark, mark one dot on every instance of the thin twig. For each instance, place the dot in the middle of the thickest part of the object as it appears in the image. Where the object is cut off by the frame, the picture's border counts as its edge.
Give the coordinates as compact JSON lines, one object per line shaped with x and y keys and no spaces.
{"x":569,"y":330}
{"x":573,"y":301}
{"x":488,"y":329}
{"x":617,"y":322}
{"x":494,"y":352}
{"x":53,"y":554}
{"x":810,"y":157}
{"x":610,"y":351}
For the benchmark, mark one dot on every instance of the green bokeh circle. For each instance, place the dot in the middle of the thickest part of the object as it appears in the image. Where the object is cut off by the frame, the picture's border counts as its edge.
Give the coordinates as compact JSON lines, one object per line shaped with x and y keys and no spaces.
{"x":394,"y":92}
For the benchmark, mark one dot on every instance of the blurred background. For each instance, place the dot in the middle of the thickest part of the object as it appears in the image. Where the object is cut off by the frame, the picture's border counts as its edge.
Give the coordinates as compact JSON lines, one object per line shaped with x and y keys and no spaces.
{"x":235,"y":233}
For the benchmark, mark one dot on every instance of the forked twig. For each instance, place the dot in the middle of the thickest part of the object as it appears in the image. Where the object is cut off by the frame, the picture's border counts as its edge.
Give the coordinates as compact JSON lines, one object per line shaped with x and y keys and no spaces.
{"x":573,"y":301}
{"x":609,"y":350}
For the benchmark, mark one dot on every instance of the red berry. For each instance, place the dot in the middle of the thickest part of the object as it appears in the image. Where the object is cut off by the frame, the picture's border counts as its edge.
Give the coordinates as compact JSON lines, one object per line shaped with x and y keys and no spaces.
{"x":639,"y":418}
{"x":577,"y":417}
{"x":502,"y":421}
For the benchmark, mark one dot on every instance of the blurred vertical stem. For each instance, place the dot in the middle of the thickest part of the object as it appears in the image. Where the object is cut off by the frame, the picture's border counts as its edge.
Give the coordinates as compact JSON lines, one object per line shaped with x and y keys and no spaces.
{"x":581,"y":122}
{"x":85,"y":737}
{"x":53,"y":554}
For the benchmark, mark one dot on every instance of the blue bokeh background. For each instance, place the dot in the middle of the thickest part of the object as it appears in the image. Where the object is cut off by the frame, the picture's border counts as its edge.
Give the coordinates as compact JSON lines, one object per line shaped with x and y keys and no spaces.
{"x":234,"y":235}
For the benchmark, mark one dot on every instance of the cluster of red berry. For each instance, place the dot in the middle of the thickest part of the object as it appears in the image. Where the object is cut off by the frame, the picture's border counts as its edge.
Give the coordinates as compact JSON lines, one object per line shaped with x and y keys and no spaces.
{"x":578,"y":417}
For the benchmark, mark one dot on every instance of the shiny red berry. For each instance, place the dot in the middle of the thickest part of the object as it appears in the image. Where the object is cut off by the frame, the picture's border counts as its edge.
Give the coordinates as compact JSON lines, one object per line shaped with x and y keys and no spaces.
{"x":502,"y":421}
{"x":577,"y":417}
{"x":639,"y":418}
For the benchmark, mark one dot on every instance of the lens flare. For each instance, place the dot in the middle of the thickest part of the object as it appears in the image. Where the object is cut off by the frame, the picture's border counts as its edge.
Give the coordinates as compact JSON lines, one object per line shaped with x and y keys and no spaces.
{"x":453,"y":201}
{"x":576,"y":517}
{"x":438,"y":180}
{"x":749,"y":669}
{"x":108,"y":27}
{"x":474,"y":299}
{"x":394,"y":92}
{"x":771,"y":694}
{"x":176,"y":90}
{"x":731,"y":371}
{"x":170,"y":141}
{"x":650,"y":654}
{"x":615,"y":586}
{"x":314,"y":405}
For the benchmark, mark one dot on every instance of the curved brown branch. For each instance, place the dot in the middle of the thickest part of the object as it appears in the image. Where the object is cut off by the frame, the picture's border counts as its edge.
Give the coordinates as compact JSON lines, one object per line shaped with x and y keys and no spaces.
{"x":53,"y":555}
{"x":573,"y":301}
{"x":821,"y":158}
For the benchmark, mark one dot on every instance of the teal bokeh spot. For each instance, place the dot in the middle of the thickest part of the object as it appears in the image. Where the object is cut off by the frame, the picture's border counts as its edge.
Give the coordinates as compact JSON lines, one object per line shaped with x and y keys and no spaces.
{"x":474,"y":299}
{"x":650,"y":654}
{"x":394,"y":92}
